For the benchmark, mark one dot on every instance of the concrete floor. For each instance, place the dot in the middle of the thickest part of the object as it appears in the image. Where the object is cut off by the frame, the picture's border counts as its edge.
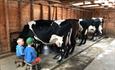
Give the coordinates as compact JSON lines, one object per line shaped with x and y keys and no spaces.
{"x":103,"y":52}
{"x":106,"y":60}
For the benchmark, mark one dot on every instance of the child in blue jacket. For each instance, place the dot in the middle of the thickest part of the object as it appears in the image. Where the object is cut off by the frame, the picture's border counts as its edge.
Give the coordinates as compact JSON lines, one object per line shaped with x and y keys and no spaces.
{"x":20,"y":48}
{"x":19,"y":52}
{"x":30,"y":53}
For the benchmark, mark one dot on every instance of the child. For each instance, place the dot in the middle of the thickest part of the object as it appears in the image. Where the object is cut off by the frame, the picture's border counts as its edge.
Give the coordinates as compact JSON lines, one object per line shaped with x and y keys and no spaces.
{"x":30,"y":53}
{"x":20,"y":48}
{"x":19,"y":52}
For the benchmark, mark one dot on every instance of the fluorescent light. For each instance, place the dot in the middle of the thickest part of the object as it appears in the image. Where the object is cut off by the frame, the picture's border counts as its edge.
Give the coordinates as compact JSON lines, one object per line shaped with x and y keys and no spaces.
{"x":81,"y":3}
{"x":106,"y":3}
{"x":87,"y":2}
{"x":90,"y":6}
{"x":112,"y":1}
{"x":77,"y":4}
{"x":99,"y":1}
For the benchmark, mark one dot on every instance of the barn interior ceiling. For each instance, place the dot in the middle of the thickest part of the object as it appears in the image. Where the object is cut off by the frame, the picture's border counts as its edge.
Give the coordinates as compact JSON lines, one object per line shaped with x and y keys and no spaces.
{"x":88,"y":3}
{"x":96,"y":4}
{"x":80,"y":3}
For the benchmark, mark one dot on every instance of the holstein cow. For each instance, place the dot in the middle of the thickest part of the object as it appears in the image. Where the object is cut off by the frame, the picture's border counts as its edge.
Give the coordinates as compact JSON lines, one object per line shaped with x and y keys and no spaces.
{"x":68,"y":30}
{"x":94,"y":24}
{"x":41,"y":31}
{"x":97,"y":26}
{"x":62,"y":33}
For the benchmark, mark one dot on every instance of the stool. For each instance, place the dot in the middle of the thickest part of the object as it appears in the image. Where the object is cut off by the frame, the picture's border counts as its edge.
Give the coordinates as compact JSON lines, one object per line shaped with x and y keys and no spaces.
{"x":19,"y":62}
{"x":32,"y":66}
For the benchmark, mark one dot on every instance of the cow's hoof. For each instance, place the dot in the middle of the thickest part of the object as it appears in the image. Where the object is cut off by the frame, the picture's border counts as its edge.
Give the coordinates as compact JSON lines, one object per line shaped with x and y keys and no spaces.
{"x":59,"y":61}
{"x":56,"y":57}
{"x":91,"y":39}
{"x":65,"y":56}
{"x":83,"y":43}
{"x":71,"y":52}
{"x":79,"y":45}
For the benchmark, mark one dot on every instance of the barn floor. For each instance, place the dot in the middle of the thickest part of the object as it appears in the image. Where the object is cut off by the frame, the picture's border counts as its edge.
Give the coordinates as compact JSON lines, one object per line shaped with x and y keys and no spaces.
{"x":102,"y":52}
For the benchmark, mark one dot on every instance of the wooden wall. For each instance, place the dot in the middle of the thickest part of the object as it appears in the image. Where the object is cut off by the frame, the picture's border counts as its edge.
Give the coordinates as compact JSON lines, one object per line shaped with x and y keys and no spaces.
{"x":4,"y":47}
{"x":15,"y":14}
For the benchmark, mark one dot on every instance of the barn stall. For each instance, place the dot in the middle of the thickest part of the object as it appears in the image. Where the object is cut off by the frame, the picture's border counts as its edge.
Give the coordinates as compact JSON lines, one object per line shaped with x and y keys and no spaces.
{"x":16,"y":13}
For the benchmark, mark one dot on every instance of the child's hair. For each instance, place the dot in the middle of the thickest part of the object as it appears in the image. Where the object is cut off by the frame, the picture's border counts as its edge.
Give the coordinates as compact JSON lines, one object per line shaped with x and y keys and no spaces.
{"x":19,"y":40}
{"x":29,"y":40}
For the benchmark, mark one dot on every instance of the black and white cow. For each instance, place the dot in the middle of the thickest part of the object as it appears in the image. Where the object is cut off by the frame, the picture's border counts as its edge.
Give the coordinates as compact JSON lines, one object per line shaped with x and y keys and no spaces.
{"x":93,"y":24}
{"x":68,"y":29}
{"x":62,"y":33}
{"x":97,"y":26}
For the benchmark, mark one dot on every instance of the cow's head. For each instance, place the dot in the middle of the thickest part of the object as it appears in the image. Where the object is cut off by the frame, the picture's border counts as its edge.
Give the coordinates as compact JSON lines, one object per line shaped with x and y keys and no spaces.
{"x":100,"y":19}
{"x":100,"y":26}
{"x":58,"y":40}
{"x":91,"y":29}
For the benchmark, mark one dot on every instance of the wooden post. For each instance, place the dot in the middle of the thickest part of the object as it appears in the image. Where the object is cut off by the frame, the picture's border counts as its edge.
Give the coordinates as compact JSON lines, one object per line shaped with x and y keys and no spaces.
{"x":41,"y":11}
{"x":75,"y":14}
{"x":7,"y":24}
{"x":49,"y":12}
{"x":61,"y":12}
{"x":19,"y":12}
{"x":31,"y":9}
{"x":56,"y":13}
{"x":52,"y":18}
{"x":66,"y":13}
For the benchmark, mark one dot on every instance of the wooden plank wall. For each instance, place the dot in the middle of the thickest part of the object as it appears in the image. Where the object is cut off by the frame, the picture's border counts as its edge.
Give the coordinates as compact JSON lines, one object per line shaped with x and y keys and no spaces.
{"x":3,"y":29}
{"x":13,"y":16}
{"x":19,"y":13}
{"x":40,"y":11}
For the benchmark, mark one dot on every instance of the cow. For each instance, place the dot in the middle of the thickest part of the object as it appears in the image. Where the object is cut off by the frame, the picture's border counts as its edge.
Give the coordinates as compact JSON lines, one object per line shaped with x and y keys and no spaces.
{"x":40,"y":30}
{"x":49,"y":32}
{"x":93,"y":24}
{"x":68,"y":29}
{"x":97,"y":27}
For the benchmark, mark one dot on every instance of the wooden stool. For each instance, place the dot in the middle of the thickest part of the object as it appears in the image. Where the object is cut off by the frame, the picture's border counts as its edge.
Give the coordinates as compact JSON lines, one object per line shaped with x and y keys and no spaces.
{"x":32,"y":66}
{"x":19,"y":62}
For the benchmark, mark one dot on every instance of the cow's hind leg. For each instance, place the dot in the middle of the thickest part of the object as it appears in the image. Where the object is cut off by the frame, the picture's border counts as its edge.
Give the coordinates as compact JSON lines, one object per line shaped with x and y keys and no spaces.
{"x":72,"y":50}
{"x":67,"y":51}
{"x":61,"y":56}
{"x":61,"y":53}
{"x":82,"y":39}
{"x":72,"y":47}
{"x":58,"y":53}
{"x":85,"y":38}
